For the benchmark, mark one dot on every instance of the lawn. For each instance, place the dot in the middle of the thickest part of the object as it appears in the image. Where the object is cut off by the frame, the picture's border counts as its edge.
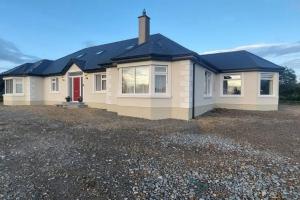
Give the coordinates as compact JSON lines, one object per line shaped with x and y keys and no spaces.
{"x":55,"y":153}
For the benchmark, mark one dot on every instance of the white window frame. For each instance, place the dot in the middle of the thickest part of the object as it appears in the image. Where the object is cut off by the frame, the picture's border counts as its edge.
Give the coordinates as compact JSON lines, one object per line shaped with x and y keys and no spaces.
{"x":222,"y":81}
{"x":14,"y":93}
{"x":101,"y":78}
{"x":209,"y":94}
{"x":259,"y":84}
{"x":21,"y":82}
{"x":160,"y":73}
{"x":56,"y":84}
{"x":151,"y":93}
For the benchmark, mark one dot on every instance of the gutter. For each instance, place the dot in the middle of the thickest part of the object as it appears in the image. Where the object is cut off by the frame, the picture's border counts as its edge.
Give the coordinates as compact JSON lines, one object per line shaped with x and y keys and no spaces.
{"x":193,"y":92}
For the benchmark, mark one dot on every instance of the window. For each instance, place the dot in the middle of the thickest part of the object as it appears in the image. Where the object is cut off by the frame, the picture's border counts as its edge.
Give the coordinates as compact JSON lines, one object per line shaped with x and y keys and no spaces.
{"x":266,"y":84}
{"x":232,"y":84}
{"x":9,"y":86}
{"x":54,"y":85}
{"x":100,"y":82}
{"x":160,"y":76}
{"x":207,"y":89}
{"x":135,"y":80}
{"x":19,"y":85}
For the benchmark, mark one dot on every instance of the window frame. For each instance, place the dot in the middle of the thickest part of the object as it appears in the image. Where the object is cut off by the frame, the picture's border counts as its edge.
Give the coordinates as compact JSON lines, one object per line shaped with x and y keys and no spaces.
{"x":222,"y":84}
{"x":57,"y":88}
{"x":259,"y":85}
{"x":101,"y":78}
{"x":14,"y":93}
{"x":160,"y":74}
{"x":151,"y":93}
{"x":5,"y":86}
{"x":210,"y":84}
{"x":15,"y":85}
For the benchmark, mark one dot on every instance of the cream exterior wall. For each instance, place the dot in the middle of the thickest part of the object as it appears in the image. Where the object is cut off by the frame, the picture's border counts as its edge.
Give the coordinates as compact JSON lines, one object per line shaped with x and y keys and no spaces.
{"x":250,"y":98}
{"x":176,"y":104}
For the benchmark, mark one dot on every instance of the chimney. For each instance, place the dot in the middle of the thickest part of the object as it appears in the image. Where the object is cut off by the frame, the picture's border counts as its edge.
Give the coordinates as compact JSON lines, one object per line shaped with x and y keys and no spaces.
{"x":144,"y":28}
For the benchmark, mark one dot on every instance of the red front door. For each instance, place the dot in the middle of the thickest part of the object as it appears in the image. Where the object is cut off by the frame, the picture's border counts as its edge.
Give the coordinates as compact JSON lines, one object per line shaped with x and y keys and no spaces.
{"x":76,"y":88}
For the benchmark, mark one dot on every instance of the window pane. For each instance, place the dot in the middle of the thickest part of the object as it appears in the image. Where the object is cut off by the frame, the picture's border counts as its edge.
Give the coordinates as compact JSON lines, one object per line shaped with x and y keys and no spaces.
{"x":128,"y":80}
{"x":207,"y":89}
{"x":142,"y":80}
{"x":57,"y":84}
{"x":162,"y":69}
{"x":19,"y":86}
{"x":232,"y":87}
{"x":232,"y":77}
{"x":9,"y":86}
{"x":103,"y":84}
{"x":266,"y":87}
{"x":98,"y":82}
{"x":160,"y":83}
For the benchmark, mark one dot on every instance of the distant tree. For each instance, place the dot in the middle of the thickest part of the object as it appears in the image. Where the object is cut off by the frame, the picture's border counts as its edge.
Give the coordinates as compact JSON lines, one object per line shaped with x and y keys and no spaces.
{"x":288,"y":88}
{"x":287,"y":77}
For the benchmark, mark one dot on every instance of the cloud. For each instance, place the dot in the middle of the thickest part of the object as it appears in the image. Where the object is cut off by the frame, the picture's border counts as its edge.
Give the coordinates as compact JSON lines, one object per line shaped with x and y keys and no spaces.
{"x":284,"y":54}
{"x":10,"y":53}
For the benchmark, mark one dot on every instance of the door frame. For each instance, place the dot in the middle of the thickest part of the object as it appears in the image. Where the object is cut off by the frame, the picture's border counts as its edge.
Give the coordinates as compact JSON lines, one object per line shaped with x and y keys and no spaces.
{"x":80,"y":86}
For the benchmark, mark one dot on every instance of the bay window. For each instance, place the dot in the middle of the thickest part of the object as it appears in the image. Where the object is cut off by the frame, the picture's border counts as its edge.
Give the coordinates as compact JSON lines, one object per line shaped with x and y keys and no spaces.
{"x":208,"y":83}
{"x":14,"y":86}
{"x":266,"y":83}
{"x":144,"y":80}
{"x":100,"y":82}
{"x":232,"y":84}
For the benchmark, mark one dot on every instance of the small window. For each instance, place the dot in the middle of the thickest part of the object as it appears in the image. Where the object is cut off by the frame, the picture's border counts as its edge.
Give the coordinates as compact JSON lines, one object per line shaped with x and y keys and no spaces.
{"x":19,"y":85}
{"x":80,"y":55}
{"x":9,"y":86}
{"x":100,"y":82}
{"x":232,"y":84}
{"x":130,"y":47}
{"x":266,"y":84}
{"x":207,"y":89}
{"x":54,"y":85}
{"x":160,"y":76}
{"x":99,"y":52}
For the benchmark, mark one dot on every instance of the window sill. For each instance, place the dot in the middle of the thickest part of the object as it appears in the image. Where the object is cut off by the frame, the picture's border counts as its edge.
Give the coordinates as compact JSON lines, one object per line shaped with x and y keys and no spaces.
{"x":54,"y":92}
{"x":144,"y":96}
{"x":207,"y":96}
{"x":14,"y":94}
{"x":229,"y":96}
{"x":100,"y":92}
{"x":267,"y":96}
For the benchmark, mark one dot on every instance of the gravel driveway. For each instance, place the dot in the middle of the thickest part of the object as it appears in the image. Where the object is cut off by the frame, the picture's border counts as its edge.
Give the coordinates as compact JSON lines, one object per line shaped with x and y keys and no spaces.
{"x":54,"y":153}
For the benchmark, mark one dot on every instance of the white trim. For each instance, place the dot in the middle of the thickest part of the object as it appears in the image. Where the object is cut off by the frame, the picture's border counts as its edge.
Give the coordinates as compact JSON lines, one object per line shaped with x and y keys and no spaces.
{"x":231,"y":95}
{"x":210,"y":83}
{"x":94,"y":82}
{"x":273,"y":86}
{"x":55,"y":91}
{"x":14,"y":86}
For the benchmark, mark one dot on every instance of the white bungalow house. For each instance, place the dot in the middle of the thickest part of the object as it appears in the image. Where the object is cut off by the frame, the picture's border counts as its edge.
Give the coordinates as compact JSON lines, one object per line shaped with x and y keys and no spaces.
{"x":150,"y":77}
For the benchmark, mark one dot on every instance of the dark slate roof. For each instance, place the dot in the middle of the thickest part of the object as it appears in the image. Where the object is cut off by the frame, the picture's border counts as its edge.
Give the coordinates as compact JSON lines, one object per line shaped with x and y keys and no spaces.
{"x":239,"y":61}
{"x":158,"y":47}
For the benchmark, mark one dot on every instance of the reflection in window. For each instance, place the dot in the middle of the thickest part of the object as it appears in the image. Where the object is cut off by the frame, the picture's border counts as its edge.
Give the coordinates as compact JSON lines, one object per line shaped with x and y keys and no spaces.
{"x":266,"y":84}
{"x":232,"y":85}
